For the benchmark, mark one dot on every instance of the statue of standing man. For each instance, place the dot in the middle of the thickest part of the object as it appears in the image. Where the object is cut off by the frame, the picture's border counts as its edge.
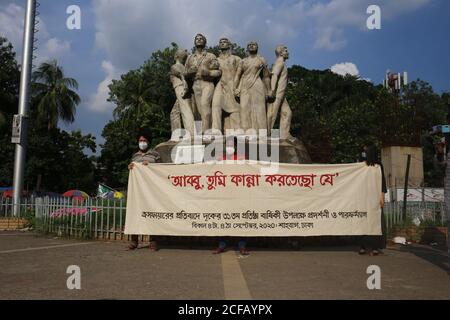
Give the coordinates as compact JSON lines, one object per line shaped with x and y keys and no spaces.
{"x":279,"y":83}
{"x":224,"y":99}
{"x":198,"y":70}
{"x":179,"y":83}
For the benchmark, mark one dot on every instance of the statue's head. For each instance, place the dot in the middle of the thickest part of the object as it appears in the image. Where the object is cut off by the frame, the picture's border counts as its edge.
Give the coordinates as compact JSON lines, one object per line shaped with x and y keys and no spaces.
{"x":224,"y":44}
{"x":252,"y":47}
{"x":282,"y":51}
{"x":181,"y":55}
{"x":200,"y":41}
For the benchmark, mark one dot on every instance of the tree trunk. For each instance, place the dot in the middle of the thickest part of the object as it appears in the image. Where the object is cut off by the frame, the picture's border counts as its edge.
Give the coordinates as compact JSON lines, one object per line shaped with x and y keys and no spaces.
{"x":38,"y":182}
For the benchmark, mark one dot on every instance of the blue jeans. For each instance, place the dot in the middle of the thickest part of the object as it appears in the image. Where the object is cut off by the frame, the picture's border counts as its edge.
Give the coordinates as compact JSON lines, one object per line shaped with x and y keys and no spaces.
{"x":223,"y":244}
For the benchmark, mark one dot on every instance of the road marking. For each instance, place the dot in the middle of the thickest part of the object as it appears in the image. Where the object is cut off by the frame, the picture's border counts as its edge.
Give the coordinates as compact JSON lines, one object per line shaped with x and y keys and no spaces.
{"x":46,"y":248}
{"x":233,"y":280}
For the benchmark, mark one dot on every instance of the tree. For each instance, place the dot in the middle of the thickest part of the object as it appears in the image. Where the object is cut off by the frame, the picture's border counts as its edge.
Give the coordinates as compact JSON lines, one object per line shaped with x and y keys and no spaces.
{"x":144,"y":98}
{"x":9,"y":89}
{"x":57,"y":158}
{"x":9,"y":83}
{"x":52,"y":92}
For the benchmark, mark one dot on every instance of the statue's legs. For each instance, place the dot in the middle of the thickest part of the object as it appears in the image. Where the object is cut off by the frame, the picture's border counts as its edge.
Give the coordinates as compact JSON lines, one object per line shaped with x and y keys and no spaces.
{"x":235,"y":120}
{"x":246,"y":121}
{"x":175,"y":120}
{"x":272,"y":111}
{"x":285,"y":120}
{"x":204,"y":91}
{"x":217,"y":103}
{"x":185,"y":108}
{"x":258,"y":109}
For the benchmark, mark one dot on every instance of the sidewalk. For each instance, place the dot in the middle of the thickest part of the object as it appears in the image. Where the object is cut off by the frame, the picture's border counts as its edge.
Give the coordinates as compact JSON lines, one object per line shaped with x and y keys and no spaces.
{"x":34,"y":267}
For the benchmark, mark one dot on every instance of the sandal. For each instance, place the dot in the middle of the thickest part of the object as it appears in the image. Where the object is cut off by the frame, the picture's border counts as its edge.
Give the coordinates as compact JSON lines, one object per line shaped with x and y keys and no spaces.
{"x":219,"y":250}
{"x":132,"y":246}
{"x":362,"y":251}
{"x":374,"y":253}
{"x":153,"y":246}
{"x":244,"y":252}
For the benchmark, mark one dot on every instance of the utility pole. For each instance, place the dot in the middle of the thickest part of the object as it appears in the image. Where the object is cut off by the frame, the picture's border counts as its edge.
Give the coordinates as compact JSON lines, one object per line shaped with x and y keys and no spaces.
{"x":21,"y":120}
{"x":405,"y":190}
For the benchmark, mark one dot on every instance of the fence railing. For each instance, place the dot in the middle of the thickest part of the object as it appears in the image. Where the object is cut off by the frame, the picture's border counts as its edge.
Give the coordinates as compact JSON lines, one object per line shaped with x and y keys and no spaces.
{"x":94,"y":218}
{"x":416,"y":212}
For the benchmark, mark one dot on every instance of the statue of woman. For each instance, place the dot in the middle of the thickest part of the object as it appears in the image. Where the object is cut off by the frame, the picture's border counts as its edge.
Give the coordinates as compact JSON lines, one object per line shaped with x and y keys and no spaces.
{"x":252,"y":83}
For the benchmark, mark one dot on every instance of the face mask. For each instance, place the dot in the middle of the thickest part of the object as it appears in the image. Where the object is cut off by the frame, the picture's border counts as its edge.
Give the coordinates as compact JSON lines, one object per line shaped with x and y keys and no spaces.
{"x":230,"y":150}
{"x":143,"y":146}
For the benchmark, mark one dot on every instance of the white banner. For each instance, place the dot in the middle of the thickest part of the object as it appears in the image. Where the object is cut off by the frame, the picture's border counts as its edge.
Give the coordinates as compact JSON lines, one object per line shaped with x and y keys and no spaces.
{"x":229,"y":199}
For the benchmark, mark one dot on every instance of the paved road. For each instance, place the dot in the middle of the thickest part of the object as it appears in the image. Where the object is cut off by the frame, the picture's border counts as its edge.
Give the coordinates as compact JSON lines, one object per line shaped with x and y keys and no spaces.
{"x":34,"y":267}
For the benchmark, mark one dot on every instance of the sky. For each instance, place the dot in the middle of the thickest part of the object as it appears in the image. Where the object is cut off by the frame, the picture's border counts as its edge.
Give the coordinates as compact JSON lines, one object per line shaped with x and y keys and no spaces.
{"x":117,"y":36}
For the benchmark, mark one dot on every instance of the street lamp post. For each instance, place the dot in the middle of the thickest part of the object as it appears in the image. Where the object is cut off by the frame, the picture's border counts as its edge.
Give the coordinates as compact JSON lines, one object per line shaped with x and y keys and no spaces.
{"x":24,"y":105}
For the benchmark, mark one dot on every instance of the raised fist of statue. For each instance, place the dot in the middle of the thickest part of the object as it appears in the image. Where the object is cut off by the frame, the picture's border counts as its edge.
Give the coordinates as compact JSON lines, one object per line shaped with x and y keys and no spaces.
{"x":205,"y":73}
{"x":192,"y":71}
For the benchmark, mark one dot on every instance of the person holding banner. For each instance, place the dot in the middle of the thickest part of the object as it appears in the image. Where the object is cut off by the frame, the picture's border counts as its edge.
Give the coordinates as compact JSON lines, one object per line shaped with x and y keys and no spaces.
{"x":231,"y":153}
{"x":145,"y":155}
{"x":374,"y":244}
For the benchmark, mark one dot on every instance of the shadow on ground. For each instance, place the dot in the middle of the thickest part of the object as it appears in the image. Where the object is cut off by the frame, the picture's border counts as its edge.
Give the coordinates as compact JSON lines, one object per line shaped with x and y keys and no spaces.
{"x":435,"y":255}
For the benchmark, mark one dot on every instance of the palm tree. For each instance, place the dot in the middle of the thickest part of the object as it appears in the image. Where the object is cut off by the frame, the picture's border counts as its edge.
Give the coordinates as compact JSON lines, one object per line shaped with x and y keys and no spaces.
{"x":53,"y":95}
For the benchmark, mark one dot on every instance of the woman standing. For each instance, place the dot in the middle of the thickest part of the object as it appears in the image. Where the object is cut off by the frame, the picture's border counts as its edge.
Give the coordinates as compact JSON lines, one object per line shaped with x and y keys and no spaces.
{"x":374,"y":244}
{"x":145,"y":155}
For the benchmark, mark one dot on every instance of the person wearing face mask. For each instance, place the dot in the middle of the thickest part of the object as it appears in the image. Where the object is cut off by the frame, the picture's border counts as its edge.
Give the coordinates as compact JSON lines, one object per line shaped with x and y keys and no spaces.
{"x":146,"y":156}
{"x":374,"y":244}
{"x":231,"y":149}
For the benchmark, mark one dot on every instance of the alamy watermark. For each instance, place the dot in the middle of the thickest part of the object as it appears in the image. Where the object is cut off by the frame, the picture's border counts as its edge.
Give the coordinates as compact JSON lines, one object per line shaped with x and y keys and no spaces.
{"x":374,"y":280}
{"x":73,"y":22}
{"x":374,"y":20}
{"x":74,"y":280}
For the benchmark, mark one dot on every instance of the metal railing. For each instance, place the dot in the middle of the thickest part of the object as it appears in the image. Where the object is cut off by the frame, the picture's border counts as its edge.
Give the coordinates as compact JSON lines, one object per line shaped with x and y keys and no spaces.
{"x":416,"y":212}
{"x":96,"y":218}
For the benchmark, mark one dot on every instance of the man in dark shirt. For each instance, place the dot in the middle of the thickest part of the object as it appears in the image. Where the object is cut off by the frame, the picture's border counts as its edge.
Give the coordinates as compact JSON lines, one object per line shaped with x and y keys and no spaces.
{"x":375,"y":243}
{"x":145,"y":155}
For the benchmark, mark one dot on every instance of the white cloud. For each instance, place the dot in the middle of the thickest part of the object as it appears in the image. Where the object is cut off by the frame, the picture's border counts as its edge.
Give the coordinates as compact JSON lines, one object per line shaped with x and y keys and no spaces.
{"x":345,"y":68}
{"x":129,"y":31}
{"x":11,"y":26}
{"x":98,"y":101}
{"x":54,"y":46}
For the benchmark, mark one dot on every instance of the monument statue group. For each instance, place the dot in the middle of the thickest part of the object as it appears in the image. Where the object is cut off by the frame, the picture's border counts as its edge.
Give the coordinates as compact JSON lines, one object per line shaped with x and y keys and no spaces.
{"x":228,"y":92}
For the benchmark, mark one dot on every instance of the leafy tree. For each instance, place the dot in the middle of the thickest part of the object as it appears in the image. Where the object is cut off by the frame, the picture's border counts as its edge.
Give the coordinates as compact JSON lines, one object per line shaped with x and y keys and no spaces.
{"x":9,"y":88}
{"x":54,"y":156}
{"x":144,"y":99}
{"x":52,"y":92}
{"x":57,"y":159}
{"x":9,"y":83}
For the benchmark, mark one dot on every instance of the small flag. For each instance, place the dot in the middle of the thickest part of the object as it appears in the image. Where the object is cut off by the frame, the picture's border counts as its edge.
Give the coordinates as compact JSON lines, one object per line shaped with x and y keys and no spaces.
{"x":104,"y":191}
